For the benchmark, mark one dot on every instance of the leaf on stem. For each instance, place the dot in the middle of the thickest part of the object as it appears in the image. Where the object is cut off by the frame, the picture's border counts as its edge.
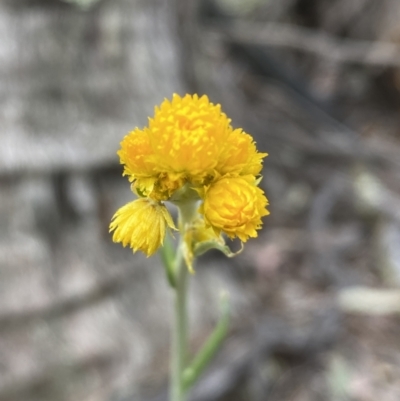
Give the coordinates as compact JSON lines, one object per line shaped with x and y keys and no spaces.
{"x":210,"y":347}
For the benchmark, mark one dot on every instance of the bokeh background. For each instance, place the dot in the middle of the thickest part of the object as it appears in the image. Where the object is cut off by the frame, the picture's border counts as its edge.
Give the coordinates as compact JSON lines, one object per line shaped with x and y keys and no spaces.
{"x":315,"y":298}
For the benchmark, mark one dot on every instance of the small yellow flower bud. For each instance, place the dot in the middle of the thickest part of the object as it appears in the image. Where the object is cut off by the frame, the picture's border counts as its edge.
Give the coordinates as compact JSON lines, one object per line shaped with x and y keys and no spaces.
{"x":141,"y":224}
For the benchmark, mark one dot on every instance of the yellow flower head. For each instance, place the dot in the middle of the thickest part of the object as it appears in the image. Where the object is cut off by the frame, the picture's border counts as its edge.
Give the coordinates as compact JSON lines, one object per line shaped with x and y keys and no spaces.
{"x":189,"y":151}
{"x":141,"y":224}
{"x":189,"y":139}
{"x":235,"y":205}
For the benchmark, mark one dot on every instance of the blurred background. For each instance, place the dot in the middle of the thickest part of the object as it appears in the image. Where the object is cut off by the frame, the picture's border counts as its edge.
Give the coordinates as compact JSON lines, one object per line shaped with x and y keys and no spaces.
{"x":315,"y":298}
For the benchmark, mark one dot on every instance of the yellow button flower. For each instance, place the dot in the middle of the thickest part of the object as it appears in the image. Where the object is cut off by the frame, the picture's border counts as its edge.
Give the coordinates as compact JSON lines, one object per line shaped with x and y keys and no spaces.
{"x":187,"y":135}
{"x":182,"y":143}
{"x":235,"y":206}
{"x":189,"y":139}
{"x":141,"y":224}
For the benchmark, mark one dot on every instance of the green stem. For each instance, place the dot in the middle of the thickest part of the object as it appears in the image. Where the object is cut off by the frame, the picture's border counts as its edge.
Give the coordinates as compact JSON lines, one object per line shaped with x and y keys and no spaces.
{"x":179,"y":327}
{"x":179,"y":331}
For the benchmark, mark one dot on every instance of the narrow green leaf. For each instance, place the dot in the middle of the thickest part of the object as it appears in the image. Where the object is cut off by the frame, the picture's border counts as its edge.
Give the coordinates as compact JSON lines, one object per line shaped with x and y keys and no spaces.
{"x":210,"y":347}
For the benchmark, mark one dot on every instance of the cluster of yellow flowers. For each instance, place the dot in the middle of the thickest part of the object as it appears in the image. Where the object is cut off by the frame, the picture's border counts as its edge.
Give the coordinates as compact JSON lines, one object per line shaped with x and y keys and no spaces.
{"x":189,"y":150}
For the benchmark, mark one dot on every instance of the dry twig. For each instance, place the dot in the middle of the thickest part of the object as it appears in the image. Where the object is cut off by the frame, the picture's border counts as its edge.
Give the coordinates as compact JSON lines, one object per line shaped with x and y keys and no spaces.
{"x":378,"y":53}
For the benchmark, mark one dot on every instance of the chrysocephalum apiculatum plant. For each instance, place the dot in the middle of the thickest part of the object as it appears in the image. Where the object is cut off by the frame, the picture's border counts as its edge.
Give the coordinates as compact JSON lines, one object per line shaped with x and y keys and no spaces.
{"x":189,"y":155}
